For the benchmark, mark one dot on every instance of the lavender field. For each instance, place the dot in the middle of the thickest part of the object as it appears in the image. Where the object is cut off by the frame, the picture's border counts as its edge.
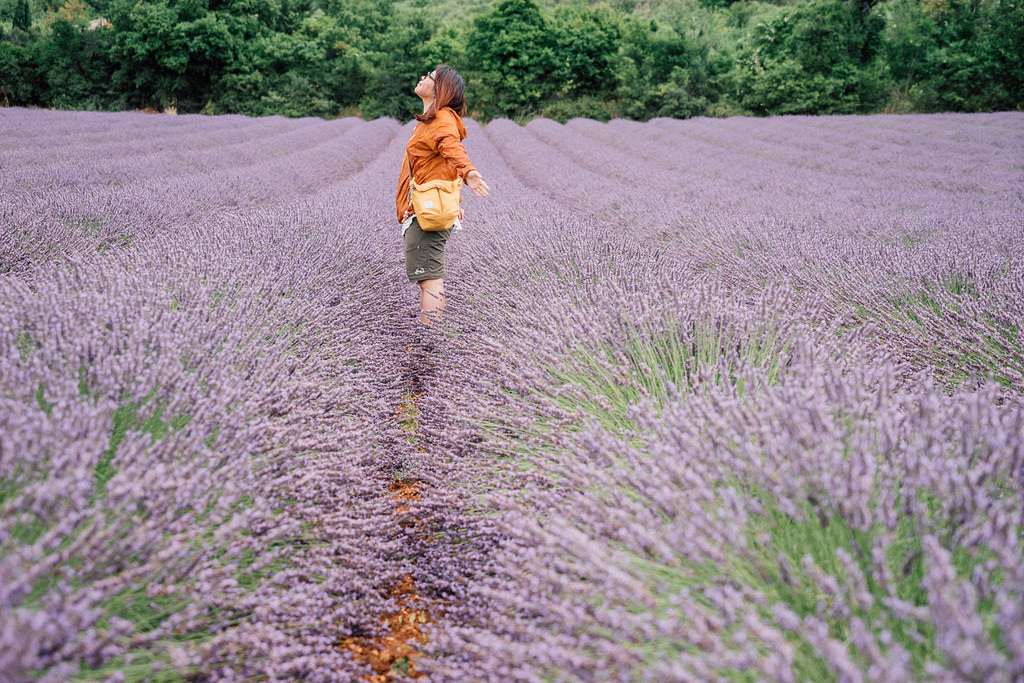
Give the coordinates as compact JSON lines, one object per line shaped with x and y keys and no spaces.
{"x":735,"y":399}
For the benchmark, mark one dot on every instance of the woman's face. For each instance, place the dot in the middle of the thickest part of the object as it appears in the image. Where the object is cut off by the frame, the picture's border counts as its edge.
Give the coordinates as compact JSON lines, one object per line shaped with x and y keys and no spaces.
{"x":425,"y":88}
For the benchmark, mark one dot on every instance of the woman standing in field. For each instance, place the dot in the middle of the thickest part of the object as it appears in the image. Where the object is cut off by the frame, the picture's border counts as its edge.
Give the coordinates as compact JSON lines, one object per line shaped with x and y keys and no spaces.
{"x":434,"y":152}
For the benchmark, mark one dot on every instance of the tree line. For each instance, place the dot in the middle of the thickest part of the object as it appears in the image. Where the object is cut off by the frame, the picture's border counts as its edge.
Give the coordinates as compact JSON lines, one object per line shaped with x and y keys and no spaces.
{"x":362,"y":57}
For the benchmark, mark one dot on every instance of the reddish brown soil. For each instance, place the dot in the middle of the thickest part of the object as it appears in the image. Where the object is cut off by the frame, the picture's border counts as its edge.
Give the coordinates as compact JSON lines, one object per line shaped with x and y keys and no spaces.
{"x":394,"y":652}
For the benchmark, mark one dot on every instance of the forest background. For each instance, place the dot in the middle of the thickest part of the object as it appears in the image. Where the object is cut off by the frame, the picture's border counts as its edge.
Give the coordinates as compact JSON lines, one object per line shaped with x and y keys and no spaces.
{"x":633,"y":59}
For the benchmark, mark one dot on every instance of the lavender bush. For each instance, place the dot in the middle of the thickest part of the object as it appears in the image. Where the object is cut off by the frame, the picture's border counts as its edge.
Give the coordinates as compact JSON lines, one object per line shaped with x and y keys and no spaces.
{"x":713,"y":400}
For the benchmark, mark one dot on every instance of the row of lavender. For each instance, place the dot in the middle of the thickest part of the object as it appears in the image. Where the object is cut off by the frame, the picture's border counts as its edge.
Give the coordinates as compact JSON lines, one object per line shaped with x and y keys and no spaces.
{"x":915,"y":223}
{"x":685,"y":420}
{"x":197,"y":428}
{"x":78,"y":182}
{"x":750,"y":400}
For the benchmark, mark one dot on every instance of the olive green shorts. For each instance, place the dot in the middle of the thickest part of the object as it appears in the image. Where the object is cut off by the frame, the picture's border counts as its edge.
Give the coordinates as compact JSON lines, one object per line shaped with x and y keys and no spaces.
{"x":424,"y":253}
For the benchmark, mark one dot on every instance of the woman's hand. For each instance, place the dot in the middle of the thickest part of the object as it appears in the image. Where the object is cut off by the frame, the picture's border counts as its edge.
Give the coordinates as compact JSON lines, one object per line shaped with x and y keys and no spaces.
{"x":475,"y":182}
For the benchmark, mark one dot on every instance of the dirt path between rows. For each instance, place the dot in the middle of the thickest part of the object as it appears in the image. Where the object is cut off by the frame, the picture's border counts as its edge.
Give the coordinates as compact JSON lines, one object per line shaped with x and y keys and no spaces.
{"x":392,"y":655}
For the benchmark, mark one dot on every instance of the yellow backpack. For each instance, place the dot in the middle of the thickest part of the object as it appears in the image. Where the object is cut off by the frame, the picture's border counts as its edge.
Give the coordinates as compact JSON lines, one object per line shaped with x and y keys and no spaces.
{"x":435,"y":202}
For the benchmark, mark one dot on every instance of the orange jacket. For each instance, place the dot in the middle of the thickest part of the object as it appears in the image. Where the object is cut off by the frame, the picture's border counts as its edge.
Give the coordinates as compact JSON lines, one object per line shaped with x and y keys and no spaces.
{"x":437,"y":154}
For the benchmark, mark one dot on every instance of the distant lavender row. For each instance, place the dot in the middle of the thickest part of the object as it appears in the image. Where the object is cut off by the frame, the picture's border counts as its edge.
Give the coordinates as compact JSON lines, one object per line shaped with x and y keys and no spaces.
{"x":136,"y":138}
{"x":926,"y":235}
{"x":63,"y":205}
{"x":685,"y":419}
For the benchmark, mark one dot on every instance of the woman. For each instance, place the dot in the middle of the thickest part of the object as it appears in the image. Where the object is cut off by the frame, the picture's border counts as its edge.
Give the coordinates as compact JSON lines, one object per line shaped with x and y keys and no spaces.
{"x":435,"y":152}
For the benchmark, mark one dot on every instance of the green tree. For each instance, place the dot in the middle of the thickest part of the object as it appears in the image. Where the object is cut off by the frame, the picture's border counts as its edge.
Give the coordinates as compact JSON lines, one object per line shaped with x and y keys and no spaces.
{"x":956,"y":55}
{"x":334,"y":57}
{"x":817,"y":57}
{"x":17,"y":76}
{"x":1001,"y":50}
{"x":316,"y":70}
{"x":22,"y":18}
{"x":512,"y":57}
{"x":74,"y":67}
{"x":171,"y":54}
{"x":408,"y":49}
{"x":660,"y":73}
{"x":587,"y":41}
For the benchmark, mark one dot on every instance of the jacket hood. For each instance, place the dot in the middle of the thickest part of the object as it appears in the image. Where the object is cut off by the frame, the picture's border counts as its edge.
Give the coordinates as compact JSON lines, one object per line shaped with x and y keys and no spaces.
{"x":458,"y":121}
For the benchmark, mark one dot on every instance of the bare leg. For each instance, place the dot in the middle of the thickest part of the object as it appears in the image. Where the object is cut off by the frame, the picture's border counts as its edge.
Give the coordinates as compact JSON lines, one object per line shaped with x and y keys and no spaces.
{"x":431,"y":300}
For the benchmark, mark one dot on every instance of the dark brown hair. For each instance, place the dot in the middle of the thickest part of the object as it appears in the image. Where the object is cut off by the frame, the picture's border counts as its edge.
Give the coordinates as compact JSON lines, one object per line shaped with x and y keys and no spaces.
{"x":449,"y":91}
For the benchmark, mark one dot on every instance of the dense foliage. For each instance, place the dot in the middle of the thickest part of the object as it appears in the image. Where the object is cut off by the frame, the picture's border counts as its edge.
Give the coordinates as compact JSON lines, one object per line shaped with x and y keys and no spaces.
{"x":332,"y":58}
{"x":761,"y":420}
